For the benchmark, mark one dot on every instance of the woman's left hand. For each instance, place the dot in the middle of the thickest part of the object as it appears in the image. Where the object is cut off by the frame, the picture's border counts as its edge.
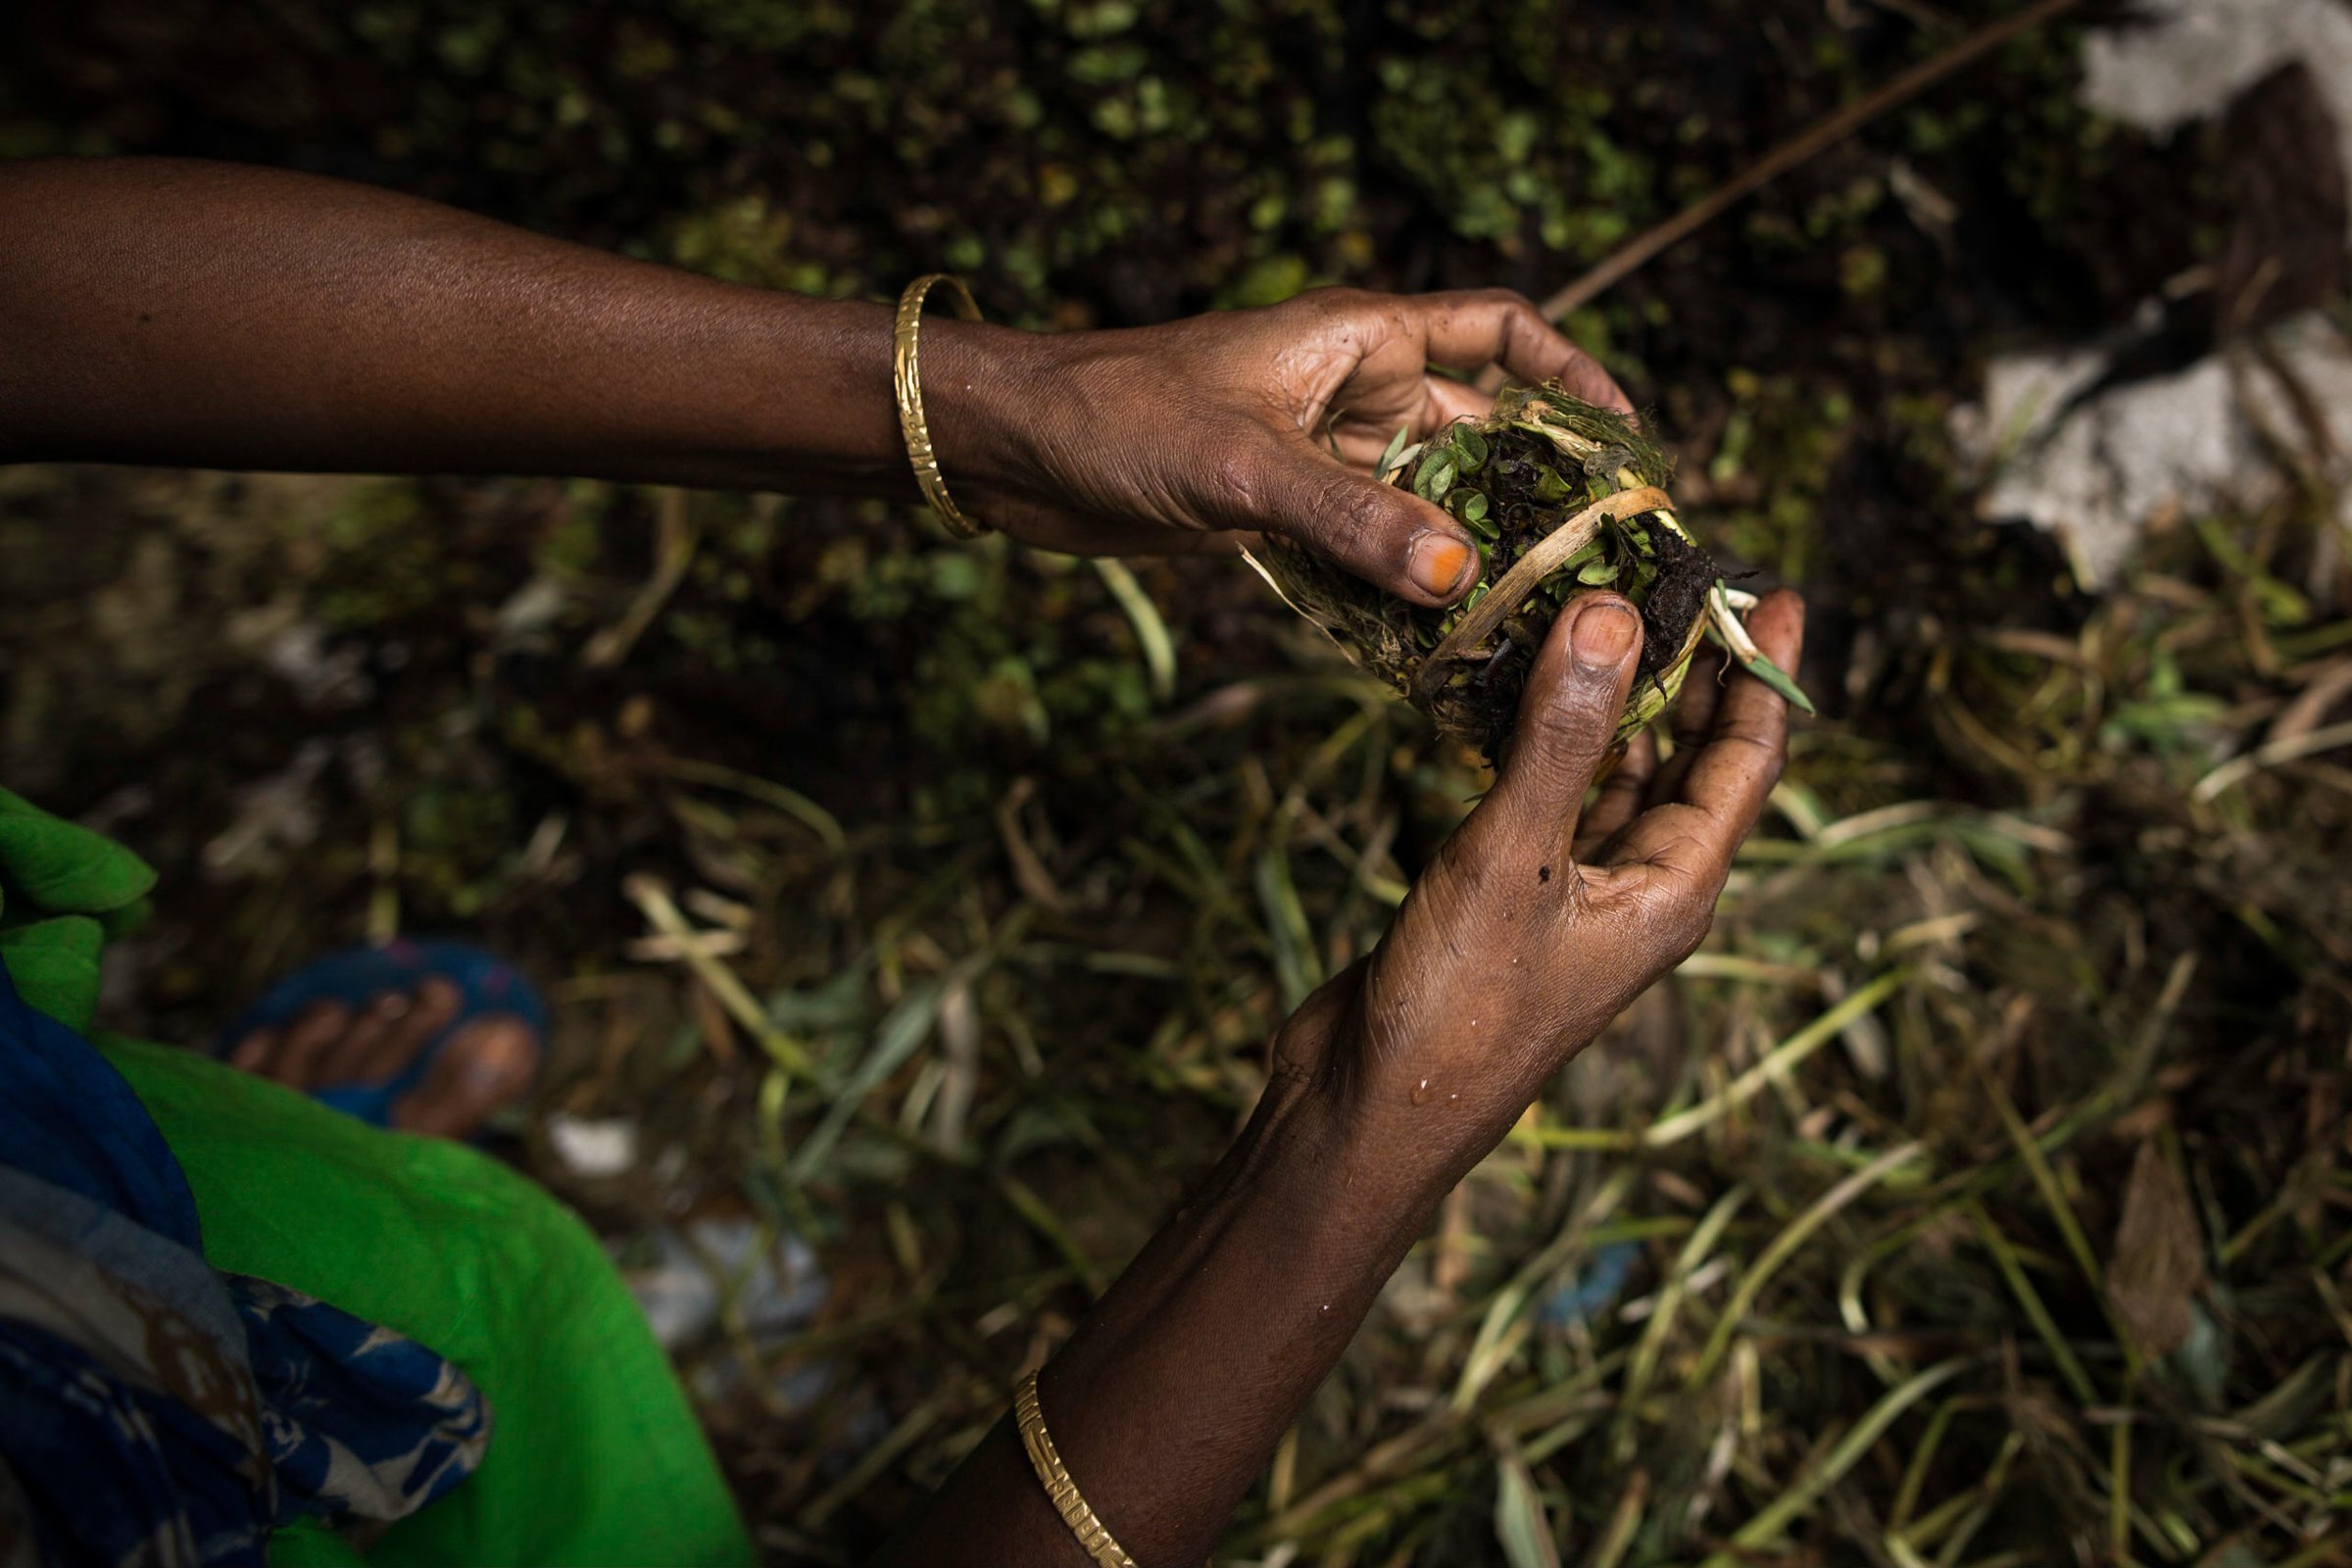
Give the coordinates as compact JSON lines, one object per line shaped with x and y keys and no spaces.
{"x":1169,"y":439}
{"x":172,"y":312}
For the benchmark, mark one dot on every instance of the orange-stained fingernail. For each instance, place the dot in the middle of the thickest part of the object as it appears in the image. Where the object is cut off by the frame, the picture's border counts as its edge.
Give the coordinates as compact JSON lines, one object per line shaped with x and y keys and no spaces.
{"x":1438,"y":563}
{"x":1601,"y":635}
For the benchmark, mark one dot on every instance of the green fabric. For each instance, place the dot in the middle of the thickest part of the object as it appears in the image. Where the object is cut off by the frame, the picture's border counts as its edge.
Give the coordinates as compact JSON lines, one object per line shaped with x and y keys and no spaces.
{"x":59,"y":865}
{"x":594,"y":1455}
{"x":64,"y":890}
{"x":310,"y":1544}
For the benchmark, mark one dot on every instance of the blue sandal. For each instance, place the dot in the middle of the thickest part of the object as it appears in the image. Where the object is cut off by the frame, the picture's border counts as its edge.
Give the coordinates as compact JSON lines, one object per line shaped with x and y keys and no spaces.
{"x":355,"y":976}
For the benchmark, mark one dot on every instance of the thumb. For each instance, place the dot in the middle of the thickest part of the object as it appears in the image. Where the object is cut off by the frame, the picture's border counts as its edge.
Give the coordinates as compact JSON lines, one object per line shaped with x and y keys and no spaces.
{"x":1567,"y":724}
{"x":1388,"y":536}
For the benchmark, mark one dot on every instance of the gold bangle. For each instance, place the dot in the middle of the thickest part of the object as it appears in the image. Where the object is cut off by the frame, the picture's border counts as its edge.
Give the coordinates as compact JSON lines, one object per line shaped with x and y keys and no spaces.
{"x":907,"y":376}
{"x":1091,"y":1533}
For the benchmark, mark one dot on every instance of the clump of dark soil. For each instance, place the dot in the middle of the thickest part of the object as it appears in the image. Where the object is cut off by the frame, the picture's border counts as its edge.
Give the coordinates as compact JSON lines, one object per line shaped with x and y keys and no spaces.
{"x":1564,"y":498}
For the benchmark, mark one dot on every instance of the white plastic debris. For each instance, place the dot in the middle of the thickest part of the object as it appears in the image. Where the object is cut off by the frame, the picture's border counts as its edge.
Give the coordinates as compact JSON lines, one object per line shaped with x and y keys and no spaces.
{"x":2095,"y":473}
{"x":530,"y":610}
{"x":776,"y":1292}
{"x":2185,"y":59}
{"x":593,"y":1148}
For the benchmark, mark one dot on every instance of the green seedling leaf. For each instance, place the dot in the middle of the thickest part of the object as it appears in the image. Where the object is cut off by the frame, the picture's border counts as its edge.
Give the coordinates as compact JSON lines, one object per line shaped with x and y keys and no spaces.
{"x":1520,"y":1524}
{"x":1393,"y":454}
{"x":1598,"y":572}
{"x":1472,"y":448}
{"x":1434,"y":479}
{"x":1150,"y":630}
{"x":1771,"y":675}
{"x":1550,"y":488}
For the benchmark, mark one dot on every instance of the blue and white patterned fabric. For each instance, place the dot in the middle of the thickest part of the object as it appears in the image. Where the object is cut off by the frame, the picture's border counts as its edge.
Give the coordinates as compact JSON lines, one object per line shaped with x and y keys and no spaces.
{"x":153,"y":1411}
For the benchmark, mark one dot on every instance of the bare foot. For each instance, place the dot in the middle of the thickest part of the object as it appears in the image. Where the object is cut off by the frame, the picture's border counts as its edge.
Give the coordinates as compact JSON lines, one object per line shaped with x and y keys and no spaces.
{"x":485,"y":1067}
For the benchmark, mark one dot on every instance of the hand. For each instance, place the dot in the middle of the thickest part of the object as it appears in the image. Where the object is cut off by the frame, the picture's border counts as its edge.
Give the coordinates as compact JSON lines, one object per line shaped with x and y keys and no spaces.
{"x":1537,"y":922}
{"x":1540,"y":920}
{"x":1164,"y":439}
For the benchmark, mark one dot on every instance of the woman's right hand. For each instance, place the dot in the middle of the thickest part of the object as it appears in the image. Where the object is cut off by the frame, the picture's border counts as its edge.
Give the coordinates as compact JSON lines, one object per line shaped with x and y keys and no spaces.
{"x":1175,"y":438}
{"x":1538,"y":921}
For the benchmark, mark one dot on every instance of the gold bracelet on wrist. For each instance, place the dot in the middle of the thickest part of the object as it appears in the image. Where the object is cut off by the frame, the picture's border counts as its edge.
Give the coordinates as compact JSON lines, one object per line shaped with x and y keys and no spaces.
{"x":906,"y":378}
{"x":1091,"y":1533}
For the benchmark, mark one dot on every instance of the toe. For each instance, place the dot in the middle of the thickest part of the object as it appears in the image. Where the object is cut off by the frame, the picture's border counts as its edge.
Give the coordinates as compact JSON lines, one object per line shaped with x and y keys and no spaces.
{"x":433,"y":1006}
{"x":485,"y":1067}
{"x":354,"y":1056}
{"x":257,"y":1051}
{"x":308,"y":1040}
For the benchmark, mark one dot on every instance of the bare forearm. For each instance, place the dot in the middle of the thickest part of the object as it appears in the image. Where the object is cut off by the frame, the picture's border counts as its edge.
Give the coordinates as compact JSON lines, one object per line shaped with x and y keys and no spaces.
{"x":1383,"y":1095}
{"x":214,"y":315}
{"x":1169,"y":1399}
{"x":211,"y":314}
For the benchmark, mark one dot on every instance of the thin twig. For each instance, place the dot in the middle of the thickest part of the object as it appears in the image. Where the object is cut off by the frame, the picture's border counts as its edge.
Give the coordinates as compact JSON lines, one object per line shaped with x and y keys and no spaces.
{"x":674,"y":554}
{"x":1822,"y":134}
{"x":652,"y":895}
{"x":1528,"y":575}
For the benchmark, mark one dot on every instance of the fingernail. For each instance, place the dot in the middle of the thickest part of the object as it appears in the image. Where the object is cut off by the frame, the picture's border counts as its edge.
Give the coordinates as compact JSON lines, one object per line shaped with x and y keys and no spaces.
{"x":1601,"y":635}
{"x":1438,"y":563}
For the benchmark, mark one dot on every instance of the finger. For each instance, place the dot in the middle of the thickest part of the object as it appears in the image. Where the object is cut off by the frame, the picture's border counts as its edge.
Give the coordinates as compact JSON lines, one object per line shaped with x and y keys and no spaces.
{"x":319,"y":1026}
{"x":1567,"y":724}
{"x":1749,"y":718}
{"x":1622,"y":795}
{"x":1390,"y":537}
{"x":1451,"y":400}
{"x":1474,"y":329}
{"x":1694,"y":719}
{"x":1692,"y":839}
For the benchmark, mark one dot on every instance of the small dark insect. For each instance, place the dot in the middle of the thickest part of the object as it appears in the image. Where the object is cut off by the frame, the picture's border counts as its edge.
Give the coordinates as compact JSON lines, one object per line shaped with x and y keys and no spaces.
{"x":1542,"y":874}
